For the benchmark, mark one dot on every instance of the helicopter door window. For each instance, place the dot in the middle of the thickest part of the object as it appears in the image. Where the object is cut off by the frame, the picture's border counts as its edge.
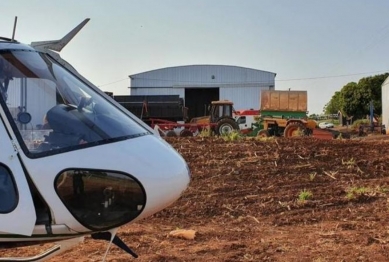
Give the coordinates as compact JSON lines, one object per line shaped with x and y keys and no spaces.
{"x":8,"y":196}
{"x":100,"y":199}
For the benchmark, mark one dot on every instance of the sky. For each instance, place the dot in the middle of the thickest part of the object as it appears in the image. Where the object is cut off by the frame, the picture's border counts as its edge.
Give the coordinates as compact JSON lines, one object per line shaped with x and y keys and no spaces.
{"x":312,"y":45}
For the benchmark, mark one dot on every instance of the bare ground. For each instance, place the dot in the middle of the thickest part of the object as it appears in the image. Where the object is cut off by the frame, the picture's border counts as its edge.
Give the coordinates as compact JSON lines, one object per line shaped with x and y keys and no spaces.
{"x":297,"y":199}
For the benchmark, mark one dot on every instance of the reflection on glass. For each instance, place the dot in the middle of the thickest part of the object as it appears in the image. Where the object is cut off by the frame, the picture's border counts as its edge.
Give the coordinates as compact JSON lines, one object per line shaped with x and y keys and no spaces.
{"x":100,"y":199}
{"x":53,"y":100}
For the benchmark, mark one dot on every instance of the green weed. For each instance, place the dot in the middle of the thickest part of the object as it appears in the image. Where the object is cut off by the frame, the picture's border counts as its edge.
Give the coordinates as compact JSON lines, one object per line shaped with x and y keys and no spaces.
{"x":304,"y":195}
{"x":265,"y":139}
{"x":354,"y":192}
{"x":205,"y":132}
{"x":232,"y":136}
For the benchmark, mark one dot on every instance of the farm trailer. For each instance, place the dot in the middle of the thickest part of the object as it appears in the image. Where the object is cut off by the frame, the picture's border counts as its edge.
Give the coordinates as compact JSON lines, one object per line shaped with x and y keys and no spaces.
{"x":164,"y":107}
{"x":284,"y":113}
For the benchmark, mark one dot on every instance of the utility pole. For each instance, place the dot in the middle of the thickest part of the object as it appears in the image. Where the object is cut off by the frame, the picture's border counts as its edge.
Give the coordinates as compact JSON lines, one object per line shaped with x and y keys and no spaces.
{"x":371,"y":116}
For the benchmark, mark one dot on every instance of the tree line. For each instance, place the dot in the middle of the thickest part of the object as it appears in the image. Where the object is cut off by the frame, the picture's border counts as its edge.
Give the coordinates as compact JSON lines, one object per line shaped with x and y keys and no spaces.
{"x":353,"y":100}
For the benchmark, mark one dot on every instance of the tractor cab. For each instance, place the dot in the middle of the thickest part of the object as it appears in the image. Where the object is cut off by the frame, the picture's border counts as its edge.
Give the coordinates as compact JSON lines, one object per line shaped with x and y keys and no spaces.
{"x":220,"y":118}
{"x":221,"y":109}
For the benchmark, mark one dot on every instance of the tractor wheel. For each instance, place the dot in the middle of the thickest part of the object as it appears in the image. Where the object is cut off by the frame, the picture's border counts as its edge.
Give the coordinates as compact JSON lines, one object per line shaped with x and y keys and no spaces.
{"x":263,"y":133}
{"x":185,"y":133}
{"x":294,"y":129}
{"x":226,"y":126}
{"x":171,"y":133}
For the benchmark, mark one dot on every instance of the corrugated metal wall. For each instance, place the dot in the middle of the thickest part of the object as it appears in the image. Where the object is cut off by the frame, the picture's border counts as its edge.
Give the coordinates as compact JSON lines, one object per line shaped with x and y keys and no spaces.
{"x":385,"y":104}
{"x":238,"y":84}
{"x":158,"y":91}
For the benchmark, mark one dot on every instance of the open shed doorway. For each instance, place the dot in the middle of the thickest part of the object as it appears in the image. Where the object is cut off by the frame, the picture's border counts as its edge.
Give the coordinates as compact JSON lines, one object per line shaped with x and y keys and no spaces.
{"x":197,"y":100}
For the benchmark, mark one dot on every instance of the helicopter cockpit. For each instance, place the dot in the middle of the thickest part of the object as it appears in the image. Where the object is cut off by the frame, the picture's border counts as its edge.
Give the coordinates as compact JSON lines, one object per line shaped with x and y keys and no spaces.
{"x":35,"y":87}
{"x":73,"y":162}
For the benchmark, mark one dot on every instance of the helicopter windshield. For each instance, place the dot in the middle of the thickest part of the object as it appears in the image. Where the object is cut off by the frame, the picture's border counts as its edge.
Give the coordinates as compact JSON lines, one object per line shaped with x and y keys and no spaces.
{"x":52,"y":111}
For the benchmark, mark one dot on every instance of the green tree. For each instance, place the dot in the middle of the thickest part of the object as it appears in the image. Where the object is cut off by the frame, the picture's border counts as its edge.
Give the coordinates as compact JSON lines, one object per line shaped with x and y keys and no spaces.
{"x":334,"y":105}
{"x":373,"y":86}
{"x":354,"y":98}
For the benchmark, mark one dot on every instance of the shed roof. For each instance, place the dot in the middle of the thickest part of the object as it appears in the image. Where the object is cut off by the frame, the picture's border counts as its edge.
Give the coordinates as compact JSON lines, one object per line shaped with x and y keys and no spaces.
{"x":202,"y":75}
{"x":207,"y":66}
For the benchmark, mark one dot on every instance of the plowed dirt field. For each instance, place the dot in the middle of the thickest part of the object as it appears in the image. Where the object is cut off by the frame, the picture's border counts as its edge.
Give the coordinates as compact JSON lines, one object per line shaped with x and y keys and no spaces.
{"x":297,"y":199}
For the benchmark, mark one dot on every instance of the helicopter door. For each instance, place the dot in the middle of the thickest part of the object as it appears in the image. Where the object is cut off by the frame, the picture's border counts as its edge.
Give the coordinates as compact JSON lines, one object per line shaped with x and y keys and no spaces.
{"x":17,"y":213}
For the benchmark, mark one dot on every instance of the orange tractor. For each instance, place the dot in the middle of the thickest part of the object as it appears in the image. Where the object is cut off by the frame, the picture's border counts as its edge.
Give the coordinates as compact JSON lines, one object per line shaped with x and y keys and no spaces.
{"x":220,"y":121}
{"x":220,"y":118}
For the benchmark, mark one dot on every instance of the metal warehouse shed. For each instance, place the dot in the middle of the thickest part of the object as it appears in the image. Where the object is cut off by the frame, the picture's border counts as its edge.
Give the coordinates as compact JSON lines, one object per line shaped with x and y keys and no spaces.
{"x":385,"y":104}
{"x":198,"y":85}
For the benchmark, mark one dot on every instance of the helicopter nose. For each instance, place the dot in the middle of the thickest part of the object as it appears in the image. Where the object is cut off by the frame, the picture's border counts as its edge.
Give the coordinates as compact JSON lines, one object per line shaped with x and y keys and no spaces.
{"x":169,"y":179}
{"x":130,"y":180}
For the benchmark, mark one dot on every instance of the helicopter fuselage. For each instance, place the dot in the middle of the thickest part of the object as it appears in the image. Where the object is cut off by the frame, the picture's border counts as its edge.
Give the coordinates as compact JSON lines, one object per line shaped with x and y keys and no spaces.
{"x":73,"y":161}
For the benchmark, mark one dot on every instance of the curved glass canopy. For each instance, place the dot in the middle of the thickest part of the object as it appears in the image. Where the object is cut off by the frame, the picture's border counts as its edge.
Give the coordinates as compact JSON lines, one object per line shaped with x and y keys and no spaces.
{"x":51,"y":110}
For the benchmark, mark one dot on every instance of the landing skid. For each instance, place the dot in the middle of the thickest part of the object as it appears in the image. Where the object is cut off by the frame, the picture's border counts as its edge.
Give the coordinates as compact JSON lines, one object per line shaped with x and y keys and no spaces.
{"x":60,"y":247}
{"x":111,"y":237}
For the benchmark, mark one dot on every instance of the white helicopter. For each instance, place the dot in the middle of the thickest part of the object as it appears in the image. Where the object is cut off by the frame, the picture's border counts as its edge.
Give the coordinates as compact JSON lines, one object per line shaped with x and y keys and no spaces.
{"x":73,"y":162}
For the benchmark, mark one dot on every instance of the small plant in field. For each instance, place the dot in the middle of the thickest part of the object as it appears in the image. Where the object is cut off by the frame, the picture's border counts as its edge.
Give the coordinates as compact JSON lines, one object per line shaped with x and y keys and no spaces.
{"x":264,"y":139}
{"x":355,"y":192}
{"x":205,"y":132}
{"x":312,"y":176}
{"x":232,"y":136}
{"x":304,"y":195}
